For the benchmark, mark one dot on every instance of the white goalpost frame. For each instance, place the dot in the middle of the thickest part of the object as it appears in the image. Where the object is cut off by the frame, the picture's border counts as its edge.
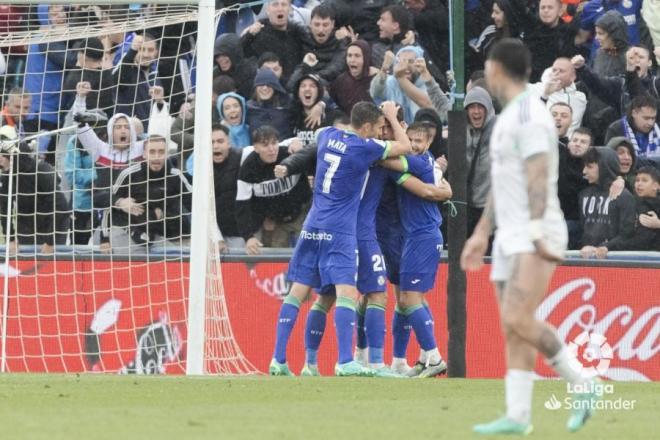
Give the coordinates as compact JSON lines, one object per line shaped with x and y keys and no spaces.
{"x":199,"y":242}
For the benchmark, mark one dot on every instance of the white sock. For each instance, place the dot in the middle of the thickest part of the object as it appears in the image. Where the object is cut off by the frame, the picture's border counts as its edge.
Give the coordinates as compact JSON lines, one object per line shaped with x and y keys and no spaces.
{"x":433,"y":356}
{"x":519,"y":385}
{"x":567,"y":366}
{"x":422,"y":356}
{"x":377,"y":365}
{"x":396,"y":362}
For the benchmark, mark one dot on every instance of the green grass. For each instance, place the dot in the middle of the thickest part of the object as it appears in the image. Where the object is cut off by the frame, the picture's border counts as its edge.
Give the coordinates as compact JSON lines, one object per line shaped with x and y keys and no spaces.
{"x":129,"y":407}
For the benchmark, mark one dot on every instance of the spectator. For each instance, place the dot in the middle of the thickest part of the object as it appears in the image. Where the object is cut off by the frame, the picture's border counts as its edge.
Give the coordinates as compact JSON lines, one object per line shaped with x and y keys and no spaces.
{"x":618,"y":91}
{"x":226,"y":166}
{"x":562,"y":115}
{"x":629,"y":10}
{"x":270,"y":60}
{"x":386,"y":87}
{"x":276,"y":34}
{"x":16,"y":108}
{"x":80,"y":173}
{"x":548,"y":37}
{"x":394,"y":33}
{"x":507,"y":18}
{"x":558,"y":85}
{"x":353,"y":85}
{"x":431,"y":21}
{"x":44,"y":72}
{"x":233,"y":114}
{"x":647,"y":204}
{"x":481,"y":120}
{"x":611,"y":35}
{"x":603,"y":219}
{"x":136,"y":75}
{"x":230,"y":61}
{"x":639,"y":127}
{"x":89,"y":69}
{"x":571,"y":181}
{"x":269,"y":104}
{"x":268,"y":207}
{"x":360,"y":16}
{"x":307,"y":94}
{"x":150,"y":202}
{"x":625,"y":152}
{"x":40,"y":209}
{"x":324,"y":54}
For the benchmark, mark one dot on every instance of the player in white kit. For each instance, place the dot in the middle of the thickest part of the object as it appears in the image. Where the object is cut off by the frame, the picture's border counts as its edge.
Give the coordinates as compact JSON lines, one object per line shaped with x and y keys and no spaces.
{"x":529,"y":241}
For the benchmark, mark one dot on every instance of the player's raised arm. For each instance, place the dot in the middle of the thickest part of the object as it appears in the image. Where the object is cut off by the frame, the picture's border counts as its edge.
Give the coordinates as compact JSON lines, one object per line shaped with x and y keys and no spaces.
{"x":401,"y":144}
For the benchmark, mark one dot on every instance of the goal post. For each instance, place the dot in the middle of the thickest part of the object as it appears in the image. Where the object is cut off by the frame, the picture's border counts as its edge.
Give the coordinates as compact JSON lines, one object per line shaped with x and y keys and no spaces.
{"x":64,"y":309}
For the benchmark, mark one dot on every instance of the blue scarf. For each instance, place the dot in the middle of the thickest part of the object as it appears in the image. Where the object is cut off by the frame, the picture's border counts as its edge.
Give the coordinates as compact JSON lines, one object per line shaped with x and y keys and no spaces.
{"x":646,"y":145}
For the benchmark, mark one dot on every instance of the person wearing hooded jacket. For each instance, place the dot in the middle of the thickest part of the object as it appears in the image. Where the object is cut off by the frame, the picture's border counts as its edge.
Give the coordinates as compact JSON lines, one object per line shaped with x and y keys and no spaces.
{"x":611,"y":33}
{"x":230,"y":61}
{"x":627,"y":159}
{"x":603,"y":219}
{"x":353,"y":85}
{"x":386,"y":87}
{"x":307,"y":92}
{"x":270,"y":104}
{"x":480,"y":122}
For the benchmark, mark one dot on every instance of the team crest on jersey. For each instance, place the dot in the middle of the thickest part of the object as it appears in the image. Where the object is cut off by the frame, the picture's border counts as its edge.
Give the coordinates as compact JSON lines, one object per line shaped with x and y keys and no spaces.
{"x":381,"y":280}
{"x":627,"y":4}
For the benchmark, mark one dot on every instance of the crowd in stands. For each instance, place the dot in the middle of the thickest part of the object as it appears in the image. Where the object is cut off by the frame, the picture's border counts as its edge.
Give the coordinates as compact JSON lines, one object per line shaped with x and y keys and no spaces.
{"x":119,"y":170}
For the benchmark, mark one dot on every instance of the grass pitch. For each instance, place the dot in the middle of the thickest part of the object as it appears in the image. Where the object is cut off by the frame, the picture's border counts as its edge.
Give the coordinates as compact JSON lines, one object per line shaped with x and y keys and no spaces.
{"x":99,"y":407}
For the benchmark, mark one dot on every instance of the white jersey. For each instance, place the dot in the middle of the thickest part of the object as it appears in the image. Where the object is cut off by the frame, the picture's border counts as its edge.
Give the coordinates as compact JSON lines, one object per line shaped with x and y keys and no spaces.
{"x":523,"y":129}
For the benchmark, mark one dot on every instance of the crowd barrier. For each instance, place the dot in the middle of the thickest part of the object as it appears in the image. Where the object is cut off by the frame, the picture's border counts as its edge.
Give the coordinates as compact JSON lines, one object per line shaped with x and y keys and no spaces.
{"x":55,"y":301}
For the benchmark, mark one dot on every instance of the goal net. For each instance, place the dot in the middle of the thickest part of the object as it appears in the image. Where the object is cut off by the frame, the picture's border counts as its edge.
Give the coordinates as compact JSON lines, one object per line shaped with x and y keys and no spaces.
{"x":111,"y":259}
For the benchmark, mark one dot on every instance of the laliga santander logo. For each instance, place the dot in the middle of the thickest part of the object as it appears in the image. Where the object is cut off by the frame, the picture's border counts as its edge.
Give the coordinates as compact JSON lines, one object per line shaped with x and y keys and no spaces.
{"x":595,"y":352}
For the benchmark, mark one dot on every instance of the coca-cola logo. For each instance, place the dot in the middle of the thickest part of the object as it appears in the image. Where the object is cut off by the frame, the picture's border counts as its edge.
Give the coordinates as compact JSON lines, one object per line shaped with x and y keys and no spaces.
{"x":633,"y":337}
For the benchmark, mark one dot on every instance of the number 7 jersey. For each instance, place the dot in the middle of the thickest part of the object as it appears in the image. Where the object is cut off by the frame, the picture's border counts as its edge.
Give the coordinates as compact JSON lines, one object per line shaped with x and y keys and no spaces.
{"x":342,"y":162}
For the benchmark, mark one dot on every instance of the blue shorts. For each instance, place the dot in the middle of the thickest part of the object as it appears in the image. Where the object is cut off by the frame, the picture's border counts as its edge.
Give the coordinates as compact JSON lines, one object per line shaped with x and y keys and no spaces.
{"x":391,"y":247}
{"x":419,"y":262}
{"x":371,"y":267}
{"x":323,"y":259}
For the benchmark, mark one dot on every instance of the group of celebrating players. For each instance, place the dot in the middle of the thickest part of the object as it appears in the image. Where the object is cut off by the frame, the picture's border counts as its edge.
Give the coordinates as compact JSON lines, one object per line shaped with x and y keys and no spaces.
{"x":374,"y":216}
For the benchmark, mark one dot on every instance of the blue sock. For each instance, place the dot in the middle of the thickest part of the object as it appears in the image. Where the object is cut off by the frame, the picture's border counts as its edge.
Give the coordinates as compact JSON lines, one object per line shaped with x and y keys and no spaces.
{"x":314,"y":329}
{"x":361,"y":330}
{"x":344,"y":322}
{"x":285,"y":323}
{"x":375,"y":324}
{"x":400,"y":333}
{"x":422,"y":323}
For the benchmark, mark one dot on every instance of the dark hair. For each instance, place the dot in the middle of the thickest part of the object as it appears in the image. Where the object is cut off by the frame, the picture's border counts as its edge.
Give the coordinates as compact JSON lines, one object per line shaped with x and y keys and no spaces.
{"x":585,"y":131}
{"x":399,"y":15}
{"x":651,"y":171}
{"x":151,"y":37}
{"x":421,"y":127}
{"x":223,"y":84}
{"x":514,"y":57}
{"x":643,"y":100}
{"x":324,"y":11}
{"x":340,"y":117}
{"x":591,"y":156}
{"x":264,"y":134}
{"x":477,"y":74}
{"x":268,"y":57}
{"x":220,"y":127}
{"x":562,"y":104}
{"x":365,"y":112}
{"x":153,"y":138}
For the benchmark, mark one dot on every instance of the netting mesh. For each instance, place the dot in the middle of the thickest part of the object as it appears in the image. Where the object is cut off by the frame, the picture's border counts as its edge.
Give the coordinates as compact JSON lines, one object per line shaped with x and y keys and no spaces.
{"x":95,"y":202}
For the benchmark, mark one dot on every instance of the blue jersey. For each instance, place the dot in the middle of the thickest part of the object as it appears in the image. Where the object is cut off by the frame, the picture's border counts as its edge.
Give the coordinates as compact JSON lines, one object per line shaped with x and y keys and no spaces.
{"x":418,"y":216}
{"x":342,"y":162}
{"x":388,"y":220}
{"x":373,"y":190}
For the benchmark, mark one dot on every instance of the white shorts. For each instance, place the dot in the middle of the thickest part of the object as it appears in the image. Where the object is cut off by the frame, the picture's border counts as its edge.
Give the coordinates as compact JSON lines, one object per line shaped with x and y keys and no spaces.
{"x":508,"y":243}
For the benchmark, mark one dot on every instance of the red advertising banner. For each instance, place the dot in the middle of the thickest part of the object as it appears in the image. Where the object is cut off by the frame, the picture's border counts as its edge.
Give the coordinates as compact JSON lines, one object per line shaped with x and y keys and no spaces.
{"x":67,"y":316}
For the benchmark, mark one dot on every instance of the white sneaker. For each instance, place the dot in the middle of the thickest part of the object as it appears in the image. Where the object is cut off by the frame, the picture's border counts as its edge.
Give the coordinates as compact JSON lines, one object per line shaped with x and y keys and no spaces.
{"x":401,"y":368}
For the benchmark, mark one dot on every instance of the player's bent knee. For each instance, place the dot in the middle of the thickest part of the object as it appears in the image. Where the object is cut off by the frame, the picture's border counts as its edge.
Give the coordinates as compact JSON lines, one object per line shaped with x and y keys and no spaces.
{"x":327,"y":301}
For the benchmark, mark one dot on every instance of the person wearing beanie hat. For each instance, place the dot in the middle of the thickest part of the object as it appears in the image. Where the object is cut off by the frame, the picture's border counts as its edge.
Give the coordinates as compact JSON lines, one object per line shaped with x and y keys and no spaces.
{"x":270,"y":104}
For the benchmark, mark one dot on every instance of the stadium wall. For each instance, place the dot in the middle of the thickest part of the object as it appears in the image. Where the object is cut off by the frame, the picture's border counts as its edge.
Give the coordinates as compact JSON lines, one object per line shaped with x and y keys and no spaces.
{"x":144,"y":307}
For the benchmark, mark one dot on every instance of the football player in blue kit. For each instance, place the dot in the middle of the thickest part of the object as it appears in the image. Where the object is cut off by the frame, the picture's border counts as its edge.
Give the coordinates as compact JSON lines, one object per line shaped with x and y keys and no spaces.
{"x":422,"y":246}
{"x":325,"y":255}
